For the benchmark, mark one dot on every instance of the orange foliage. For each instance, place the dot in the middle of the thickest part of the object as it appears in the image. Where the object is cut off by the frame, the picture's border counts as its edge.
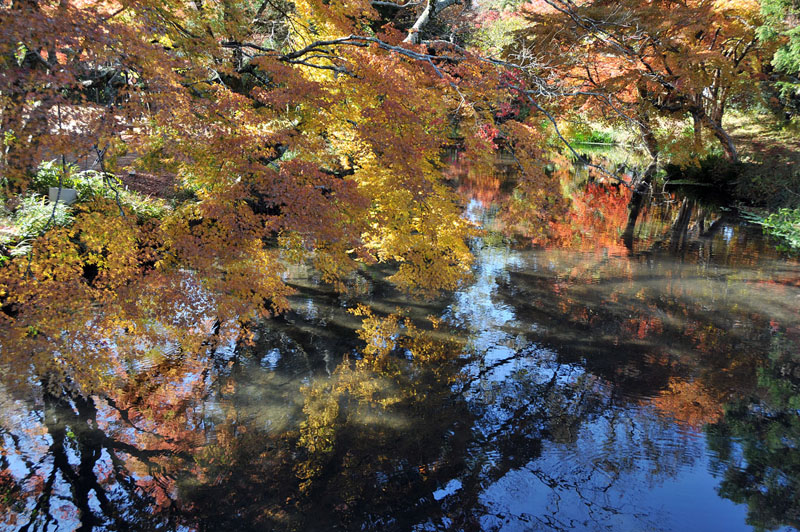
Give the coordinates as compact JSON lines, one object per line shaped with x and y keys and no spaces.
{"x":596,"y":217}
{"x":689,"y":402}
{"x":643,"y":59}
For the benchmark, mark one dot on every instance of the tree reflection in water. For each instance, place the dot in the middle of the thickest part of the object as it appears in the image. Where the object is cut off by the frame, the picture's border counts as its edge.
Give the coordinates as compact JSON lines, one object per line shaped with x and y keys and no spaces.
{"x":757,"y":443}
{"x":562,"y":389}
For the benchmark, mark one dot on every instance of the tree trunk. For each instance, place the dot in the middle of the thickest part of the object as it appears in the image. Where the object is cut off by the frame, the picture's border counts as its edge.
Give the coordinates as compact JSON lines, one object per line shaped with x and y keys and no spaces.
{"x":724,"y":138}
{"x":637,"y":202}
{"x":432,"y":8}
{"x":422,"y":20}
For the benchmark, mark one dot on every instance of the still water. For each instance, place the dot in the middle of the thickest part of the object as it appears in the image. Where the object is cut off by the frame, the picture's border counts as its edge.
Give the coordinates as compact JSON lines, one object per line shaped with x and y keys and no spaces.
{"x":575,"y":383}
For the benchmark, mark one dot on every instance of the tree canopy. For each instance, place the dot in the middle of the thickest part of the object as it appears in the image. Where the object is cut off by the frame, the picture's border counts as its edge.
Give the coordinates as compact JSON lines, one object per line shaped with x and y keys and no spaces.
{"x":311,"y":131}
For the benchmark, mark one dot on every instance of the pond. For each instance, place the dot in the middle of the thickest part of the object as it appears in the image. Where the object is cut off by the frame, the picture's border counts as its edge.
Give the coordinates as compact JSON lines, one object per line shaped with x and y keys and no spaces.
{"x":580,"y":381}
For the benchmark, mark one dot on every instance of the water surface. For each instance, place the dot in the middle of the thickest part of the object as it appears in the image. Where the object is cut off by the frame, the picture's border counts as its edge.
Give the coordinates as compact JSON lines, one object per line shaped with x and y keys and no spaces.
{"x":575,"y":383}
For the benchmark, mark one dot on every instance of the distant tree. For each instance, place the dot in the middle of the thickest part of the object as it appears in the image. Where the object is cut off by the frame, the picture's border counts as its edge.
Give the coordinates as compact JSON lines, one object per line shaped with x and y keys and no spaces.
{"x":671,"y":58}
{"x":782,"y":24}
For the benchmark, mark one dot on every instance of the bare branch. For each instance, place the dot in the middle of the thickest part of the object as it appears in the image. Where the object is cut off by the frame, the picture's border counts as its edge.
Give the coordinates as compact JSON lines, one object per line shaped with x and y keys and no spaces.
{"x":395,"y":5}
{"x":561,"y":137}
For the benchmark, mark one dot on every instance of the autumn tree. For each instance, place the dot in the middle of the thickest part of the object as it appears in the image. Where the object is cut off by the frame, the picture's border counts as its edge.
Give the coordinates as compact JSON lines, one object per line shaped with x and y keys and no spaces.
{"x":639,"y":60}
{"x":295,"y":132}
{"x":304,"y":132}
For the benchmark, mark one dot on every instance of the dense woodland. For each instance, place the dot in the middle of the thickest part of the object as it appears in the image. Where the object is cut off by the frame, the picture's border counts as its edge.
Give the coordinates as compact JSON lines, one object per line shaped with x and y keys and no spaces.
{"x":216,"y":144}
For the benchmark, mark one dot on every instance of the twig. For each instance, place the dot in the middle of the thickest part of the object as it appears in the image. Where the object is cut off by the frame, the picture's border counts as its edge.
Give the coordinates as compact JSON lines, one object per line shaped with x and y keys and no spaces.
{"x":552,"y":120}
{"x":106,"y":177}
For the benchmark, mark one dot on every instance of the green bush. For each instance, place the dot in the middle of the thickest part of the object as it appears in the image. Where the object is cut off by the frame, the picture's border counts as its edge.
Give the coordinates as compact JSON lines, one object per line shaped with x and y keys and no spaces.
{"x":593,"y":136}
{"x":89,"y":184}
{"x":785,"y":226}
{"x":49,"y":173}
{"x":35,"y":212}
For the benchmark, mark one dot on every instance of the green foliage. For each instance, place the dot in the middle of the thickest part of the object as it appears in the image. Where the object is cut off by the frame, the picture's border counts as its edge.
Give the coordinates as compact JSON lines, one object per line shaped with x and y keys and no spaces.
{"x":8,"y":138}
{"x":53,"y":174}
{"x":781,"y":23}
{"x":785,"y":226}
{"x":593,"y":136}
{"x":20,"y":53}
{"x":93,"y":185}
{"x":787,"y":58}
{"x":580,"y":130}
{"x":141,"y":206}
{"x":34,"y":215}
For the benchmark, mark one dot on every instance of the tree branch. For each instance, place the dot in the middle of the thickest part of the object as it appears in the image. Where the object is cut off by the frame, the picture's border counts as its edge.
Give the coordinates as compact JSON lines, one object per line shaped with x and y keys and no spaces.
{"x":431,"y":8}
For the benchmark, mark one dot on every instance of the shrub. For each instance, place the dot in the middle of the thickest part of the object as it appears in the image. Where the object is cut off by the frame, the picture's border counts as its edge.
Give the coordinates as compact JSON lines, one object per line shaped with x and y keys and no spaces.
{"x":785,"y":226}
{"x":34,"y":215}
{"x":91,"y":184}
{"x":49,"y":173}
{"x":593,"y":136}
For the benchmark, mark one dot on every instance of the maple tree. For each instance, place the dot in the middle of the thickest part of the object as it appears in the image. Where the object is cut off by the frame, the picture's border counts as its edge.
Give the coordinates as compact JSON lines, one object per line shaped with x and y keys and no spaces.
{"x":289,"y":132}
{"x":293,"y":133}
{"x":635,"y":61}
{"x":310,"y":132}
{"x":304,"y":132}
